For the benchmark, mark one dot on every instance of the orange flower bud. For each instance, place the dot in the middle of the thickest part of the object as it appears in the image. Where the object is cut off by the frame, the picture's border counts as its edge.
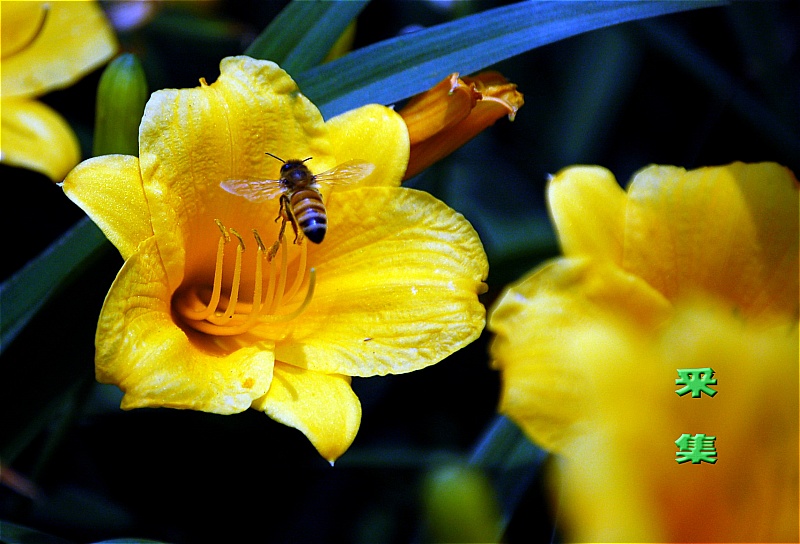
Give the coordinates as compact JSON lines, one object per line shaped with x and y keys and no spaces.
{"x":453,"y":112}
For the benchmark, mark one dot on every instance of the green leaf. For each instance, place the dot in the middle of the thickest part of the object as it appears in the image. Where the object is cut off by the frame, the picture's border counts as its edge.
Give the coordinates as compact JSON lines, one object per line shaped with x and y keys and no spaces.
{"x":511,"y":458}
{"x":400,"y":67}
{"x":12,"y":533}
{"x":24,"y":294}
{"x":303,"y":33}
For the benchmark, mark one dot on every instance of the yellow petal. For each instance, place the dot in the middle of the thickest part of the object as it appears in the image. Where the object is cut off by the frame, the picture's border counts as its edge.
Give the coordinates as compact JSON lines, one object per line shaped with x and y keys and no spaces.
{"x":190,"y":140}
{"x":588,"y":210}
{"x":620,"y":482}
{"x":156,"y":363}
{"x":74,"y":39}
{"x":38,"y":138}
{"x":756,"y":368}
{"x":731,"y":231}
{"x":398,"y":279}
{"x":549,"y":325}
{"x":109,"y":190}
{"x":21,"y":22}
{"x":321,"y":406}
{"x":587,"y":345}
{"x":376,"y":134}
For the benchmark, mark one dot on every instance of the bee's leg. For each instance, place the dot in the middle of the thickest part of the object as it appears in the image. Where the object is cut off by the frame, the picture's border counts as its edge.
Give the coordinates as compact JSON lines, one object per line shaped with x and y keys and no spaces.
{"x":284,"y":201}
{"x":282,"y":215}
{"x":298,"y":234}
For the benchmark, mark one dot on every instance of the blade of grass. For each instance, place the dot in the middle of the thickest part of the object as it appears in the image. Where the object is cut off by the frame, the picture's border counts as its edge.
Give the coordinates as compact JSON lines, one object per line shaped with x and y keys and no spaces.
{"x":512,"y":460}
{"x":24,"y":294}
{"x":671,"y":41}
{"x":400,"y":67}
{"x":303,"y":33}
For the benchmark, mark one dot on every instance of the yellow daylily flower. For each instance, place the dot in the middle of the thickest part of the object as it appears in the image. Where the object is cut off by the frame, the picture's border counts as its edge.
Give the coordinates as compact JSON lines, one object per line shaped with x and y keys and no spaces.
{"x":686,"y":270}
{"x":46,"y":46}
{"x":453,"y":112}
{"x":201,"y":318}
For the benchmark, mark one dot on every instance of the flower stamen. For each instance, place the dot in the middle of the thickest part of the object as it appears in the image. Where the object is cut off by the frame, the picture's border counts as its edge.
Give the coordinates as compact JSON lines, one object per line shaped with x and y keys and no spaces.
{"x":229,"y":315}
{"x":237,"y":276}
{"x":195,"y":315}
{"x":282,"y":280}
{"x":312,"y":282}
{"x":301,"y":269}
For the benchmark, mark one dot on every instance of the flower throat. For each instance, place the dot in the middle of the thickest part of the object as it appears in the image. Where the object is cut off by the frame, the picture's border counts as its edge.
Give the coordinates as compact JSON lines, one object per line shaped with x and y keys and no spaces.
{"x":207,"y":309}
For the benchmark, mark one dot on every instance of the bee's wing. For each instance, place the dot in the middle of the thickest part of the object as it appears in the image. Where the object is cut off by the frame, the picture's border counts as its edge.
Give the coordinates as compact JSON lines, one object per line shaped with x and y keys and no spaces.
{"x":254,"y":190}
{"x":345,"y":173}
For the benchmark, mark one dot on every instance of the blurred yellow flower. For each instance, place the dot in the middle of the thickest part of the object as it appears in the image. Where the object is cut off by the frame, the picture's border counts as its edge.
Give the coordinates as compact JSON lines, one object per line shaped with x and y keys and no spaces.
{"x":200,"y":318}
{"x":453,"y":112}
{"x":687,"y":270}
{"x":46,"y":46}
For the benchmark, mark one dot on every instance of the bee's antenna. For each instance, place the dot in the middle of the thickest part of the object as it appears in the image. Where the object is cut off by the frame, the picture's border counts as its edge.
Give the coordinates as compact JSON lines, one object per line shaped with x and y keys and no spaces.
{"x":276,"y":157}
{"x":308,"y":159}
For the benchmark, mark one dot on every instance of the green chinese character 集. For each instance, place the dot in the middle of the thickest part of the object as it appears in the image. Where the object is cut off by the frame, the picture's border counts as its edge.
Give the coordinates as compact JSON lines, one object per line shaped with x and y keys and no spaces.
{"x":697,"y":448}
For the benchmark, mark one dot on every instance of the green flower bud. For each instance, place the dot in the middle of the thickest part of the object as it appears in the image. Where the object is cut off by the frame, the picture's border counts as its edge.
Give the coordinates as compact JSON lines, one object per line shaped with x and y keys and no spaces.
{"x":460,"y":505}
{"x":121,"y":96}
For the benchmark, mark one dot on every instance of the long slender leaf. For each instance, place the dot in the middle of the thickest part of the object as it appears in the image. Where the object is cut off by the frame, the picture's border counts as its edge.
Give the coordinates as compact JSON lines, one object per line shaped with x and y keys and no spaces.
{"x":19,"y":534}
{"x":303,"y":33}
{"x":774,"y":128}
{"x":512,"y":460}
{"x":22,"y":295}
{"x":401,"y":67}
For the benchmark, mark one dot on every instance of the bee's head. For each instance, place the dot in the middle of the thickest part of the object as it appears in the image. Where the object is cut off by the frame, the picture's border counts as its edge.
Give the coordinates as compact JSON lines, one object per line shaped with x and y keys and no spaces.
{"x":290,"y":166}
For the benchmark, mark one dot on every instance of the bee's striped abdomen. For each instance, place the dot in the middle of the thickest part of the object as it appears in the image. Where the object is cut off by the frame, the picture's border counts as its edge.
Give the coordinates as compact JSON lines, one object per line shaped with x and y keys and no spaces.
{"x":310,"y":213}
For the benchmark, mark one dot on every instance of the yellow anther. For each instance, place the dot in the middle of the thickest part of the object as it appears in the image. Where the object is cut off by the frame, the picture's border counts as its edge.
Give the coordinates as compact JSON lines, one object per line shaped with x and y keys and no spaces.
{"x":261,"y":245}
{"x":223,"y":230}
{"x":241,"y":242}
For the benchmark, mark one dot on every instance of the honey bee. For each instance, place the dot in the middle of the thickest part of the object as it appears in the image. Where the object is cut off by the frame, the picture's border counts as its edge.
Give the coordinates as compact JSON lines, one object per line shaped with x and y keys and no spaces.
{"x":300,"y":198}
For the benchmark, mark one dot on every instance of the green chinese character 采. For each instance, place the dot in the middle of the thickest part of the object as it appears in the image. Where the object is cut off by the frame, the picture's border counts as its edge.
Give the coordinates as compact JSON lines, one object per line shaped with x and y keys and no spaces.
{"x":696,"y":381}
